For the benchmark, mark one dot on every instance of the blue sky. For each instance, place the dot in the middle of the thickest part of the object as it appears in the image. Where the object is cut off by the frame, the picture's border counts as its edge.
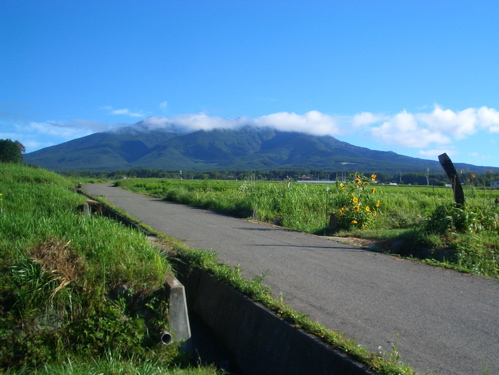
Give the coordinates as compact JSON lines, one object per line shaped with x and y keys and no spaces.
{"x":416,"y":77}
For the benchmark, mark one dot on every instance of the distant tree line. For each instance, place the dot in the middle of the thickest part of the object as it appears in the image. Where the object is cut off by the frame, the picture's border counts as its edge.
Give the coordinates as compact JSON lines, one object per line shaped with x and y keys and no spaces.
{"x":433,"y":179}
{"x":11,"y":151}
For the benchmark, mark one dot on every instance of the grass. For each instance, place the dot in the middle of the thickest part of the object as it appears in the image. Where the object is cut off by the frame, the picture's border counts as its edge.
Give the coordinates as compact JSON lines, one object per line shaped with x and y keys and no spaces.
{"x":405,"y":215}
{"x":421,"y":221}
{"x":382,"y":363}
{"x":112,"y":365}
{"x":74,"y":287}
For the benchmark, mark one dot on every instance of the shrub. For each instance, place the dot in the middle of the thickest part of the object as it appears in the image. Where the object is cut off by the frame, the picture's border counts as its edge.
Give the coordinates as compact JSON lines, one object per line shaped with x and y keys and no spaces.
{"x":358,"y":203}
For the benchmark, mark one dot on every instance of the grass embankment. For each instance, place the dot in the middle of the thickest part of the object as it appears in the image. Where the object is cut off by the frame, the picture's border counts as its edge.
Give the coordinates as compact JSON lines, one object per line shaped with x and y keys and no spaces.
{"x":420,"y":219}
{"x":413,"y":221}
{"x":384,"y":362}
{"x":78,"y":295}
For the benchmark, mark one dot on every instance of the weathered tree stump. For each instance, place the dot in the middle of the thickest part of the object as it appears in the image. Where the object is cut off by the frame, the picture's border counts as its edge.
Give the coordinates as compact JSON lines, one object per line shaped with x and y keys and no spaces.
{"x":449,"y":168}
{"x":333,"y":222}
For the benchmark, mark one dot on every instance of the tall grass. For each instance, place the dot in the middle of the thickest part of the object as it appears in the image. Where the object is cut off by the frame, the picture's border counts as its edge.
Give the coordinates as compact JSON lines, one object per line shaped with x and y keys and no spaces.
{"x":74,"y":287}
{"x":404,"y":214}
{"x":35,"y":213}
{"x":113,"y":365}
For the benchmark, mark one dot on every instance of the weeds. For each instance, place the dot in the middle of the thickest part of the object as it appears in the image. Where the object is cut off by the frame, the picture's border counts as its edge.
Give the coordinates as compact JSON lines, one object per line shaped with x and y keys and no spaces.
{"x":60,"y":273}
{"x":257,"y":291}
{"x":359,"y":203}
{"x":423,"y":218}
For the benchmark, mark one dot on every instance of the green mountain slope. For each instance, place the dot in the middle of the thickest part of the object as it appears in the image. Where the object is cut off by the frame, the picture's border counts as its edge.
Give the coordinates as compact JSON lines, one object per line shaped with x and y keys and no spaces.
{"x":221,"y":149}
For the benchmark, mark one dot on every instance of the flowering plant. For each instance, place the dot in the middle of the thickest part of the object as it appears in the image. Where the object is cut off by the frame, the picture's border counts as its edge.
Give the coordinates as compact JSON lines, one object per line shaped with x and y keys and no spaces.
{"x":357,"y":203}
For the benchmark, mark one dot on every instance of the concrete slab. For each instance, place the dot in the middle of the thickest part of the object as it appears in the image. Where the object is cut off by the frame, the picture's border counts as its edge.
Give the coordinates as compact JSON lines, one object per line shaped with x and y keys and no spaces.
{"x":258,"y":340}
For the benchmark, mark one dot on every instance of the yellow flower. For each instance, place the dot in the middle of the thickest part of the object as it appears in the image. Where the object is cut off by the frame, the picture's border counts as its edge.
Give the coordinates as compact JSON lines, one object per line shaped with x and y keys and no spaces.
{"x":356,"y":208}
{"x":355,"y":200}
{"x":377,"y":203}
{"x":373,"y":177}
{"x":368,"y":208}
{"x":342,"y":185}
{"x":373,"y":190}
{"x":354,"y":221}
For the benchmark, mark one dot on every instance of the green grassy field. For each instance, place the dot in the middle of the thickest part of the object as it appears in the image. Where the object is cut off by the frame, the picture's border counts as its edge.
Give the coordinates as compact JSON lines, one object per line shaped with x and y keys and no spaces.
{"x":413,"y":221}
{"x":78,"y":295}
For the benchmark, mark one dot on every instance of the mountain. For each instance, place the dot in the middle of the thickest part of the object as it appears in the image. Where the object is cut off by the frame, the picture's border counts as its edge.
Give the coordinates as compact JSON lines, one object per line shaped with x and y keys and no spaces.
{"x":156,"y":143}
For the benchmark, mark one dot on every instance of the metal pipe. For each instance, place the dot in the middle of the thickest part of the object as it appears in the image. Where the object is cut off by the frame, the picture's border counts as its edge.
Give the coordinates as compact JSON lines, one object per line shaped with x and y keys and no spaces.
{"x":166,"y":338}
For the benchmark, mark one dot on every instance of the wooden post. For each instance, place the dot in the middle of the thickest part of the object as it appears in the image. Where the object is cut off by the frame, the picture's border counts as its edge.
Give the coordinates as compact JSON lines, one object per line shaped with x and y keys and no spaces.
{"x":449,"y":168}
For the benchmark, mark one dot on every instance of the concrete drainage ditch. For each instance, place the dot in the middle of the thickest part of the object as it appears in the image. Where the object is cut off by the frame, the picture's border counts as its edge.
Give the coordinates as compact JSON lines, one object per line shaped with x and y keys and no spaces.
{"x":239,"y":335}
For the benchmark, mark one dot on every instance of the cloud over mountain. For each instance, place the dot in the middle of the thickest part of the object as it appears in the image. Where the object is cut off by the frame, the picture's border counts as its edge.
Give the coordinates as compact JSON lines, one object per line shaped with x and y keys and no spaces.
{"x":413,"y":130}
{"x":426,"y":131}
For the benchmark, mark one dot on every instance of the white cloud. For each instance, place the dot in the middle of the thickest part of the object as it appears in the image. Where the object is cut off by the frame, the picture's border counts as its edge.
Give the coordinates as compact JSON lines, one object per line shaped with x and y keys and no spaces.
{"x":404,"y":129}
{"x":35,"y":135}
{"x":430,"y":132}
{"x":163,"y":106}
{"x":438,"y":127}
{"x":56,"y":128}
{"x":312,"y":122}
{"x":32,"y":144}
{"x":435,"y":153}
{"x":30,"y":140}
{"x":126,"y":112}
{"x":122,"y":111}
{"x":65,"y":129}
{"x":201,"y":121}
{"x":459,"y":125}
{"x":156,"y":123}
{"x":412,"y":130}
{"x":366,"y":119}
{"x":488,"y":117}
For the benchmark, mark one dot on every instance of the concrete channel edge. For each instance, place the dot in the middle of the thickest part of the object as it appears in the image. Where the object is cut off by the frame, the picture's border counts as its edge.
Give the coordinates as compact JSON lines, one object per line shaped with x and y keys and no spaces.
{"x":258,"y":340}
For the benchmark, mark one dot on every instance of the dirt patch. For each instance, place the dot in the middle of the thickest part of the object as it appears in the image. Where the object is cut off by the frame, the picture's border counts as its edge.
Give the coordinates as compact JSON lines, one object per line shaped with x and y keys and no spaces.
{"x":353,"y":241}
{"x":357,"y":242}
{"x":57,"y":259}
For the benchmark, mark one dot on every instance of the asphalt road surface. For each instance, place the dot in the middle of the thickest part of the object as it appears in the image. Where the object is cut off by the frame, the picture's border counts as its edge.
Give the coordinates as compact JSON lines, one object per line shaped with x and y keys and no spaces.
{"x":440,"y":320}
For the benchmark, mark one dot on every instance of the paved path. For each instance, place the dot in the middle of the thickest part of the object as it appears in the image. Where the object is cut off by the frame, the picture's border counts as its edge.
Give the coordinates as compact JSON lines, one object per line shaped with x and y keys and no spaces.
{"x":441,"y":321}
